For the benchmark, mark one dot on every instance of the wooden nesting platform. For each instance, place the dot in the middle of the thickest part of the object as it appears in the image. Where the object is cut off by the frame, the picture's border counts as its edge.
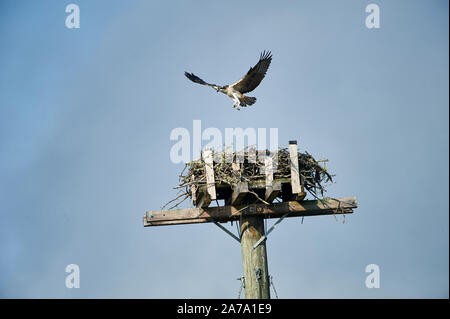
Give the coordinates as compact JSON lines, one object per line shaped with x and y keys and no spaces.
{"x":261,"y":190}
{"x":250,"y":198}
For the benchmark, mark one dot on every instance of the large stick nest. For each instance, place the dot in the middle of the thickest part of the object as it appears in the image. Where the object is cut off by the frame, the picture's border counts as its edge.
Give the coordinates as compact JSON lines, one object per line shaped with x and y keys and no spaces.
{"x":314,"y":176}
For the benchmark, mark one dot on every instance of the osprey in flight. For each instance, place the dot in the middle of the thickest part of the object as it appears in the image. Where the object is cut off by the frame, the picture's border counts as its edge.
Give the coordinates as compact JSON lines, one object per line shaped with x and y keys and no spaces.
{"x":247,"y":84}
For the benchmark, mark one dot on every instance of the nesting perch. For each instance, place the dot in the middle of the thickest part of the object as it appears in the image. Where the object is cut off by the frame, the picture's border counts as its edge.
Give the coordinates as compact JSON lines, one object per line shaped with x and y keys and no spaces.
{"x":253,"y":181}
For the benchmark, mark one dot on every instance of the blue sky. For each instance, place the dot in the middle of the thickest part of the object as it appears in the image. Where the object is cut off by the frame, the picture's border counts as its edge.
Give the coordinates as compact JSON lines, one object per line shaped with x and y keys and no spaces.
{"x":86,"y":115}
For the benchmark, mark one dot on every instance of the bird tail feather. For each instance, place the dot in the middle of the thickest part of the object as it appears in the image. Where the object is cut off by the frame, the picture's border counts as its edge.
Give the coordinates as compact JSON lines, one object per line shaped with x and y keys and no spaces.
{"x":249,"y":100}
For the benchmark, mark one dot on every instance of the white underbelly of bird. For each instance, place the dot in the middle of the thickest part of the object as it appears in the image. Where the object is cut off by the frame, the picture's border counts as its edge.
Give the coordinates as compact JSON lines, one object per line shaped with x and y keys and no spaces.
{"x":239,"y":98}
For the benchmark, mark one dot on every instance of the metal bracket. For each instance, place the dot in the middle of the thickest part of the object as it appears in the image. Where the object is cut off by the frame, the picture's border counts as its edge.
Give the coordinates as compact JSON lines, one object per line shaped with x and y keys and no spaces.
{"x":264,"y":237}
{"x":242,"y":279}
{"x":273,"y":286}
{"x":258,"y":273}
{"x":225,"y":230}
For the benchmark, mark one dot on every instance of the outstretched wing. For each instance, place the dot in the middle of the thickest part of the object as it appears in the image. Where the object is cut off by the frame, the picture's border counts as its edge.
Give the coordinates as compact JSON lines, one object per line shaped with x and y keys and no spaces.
{"x":255,"y":75}
{"x":196,"y":79}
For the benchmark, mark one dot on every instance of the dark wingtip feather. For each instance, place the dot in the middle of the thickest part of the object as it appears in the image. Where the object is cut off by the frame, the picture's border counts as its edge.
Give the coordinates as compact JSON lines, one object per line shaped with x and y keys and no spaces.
{"x":192,"y":77}
{"x":266,"y":55}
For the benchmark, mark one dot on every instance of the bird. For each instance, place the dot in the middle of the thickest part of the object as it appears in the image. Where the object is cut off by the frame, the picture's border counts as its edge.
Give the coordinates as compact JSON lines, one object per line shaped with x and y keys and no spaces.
{"x":246,"y":84}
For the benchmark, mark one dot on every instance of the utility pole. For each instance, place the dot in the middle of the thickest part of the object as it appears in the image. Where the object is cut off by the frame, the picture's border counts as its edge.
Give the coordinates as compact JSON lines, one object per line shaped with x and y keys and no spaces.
{"x":240,"y":207}
{"x":254,"y":261}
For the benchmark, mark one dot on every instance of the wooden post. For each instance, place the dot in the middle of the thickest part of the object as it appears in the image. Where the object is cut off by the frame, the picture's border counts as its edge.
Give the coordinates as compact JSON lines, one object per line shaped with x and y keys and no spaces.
{"x":295,"y":174}
{"x":194,"y":191}
{"x":209,"y":171}
{"x":240,"y":191}
{"x":297,"y":185}
{"x":254,"y":261}
{"x":272,"y":189}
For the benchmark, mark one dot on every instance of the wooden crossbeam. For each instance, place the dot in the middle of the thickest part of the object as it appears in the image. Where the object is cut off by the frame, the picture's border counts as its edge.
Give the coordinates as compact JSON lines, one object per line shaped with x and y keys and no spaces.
{"x":223,"y":214}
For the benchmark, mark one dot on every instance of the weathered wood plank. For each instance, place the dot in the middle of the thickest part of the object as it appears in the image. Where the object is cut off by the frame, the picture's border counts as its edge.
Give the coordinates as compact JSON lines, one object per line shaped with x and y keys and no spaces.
{"x":259,"y":184}
{"x":295,"y":173}
{"x":268,"y":169}
{"x":209,"y":170}
{"x":236,"y":167}
{"x":298,"y":192}
{"x":240,"y":191}
{"x":327,"y":206}
{"x":194,"y":191}
{"x":203,"y":200}
{"x":272,"y":192}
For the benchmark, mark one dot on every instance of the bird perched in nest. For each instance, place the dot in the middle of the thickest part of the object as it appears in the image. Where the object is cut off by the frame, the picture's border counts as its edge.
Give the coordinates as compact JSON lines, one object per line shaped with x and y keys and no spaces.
{"x":246,"y":84}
